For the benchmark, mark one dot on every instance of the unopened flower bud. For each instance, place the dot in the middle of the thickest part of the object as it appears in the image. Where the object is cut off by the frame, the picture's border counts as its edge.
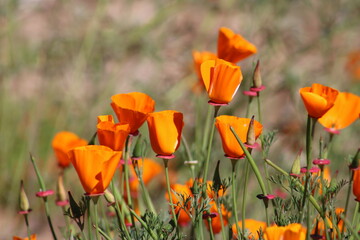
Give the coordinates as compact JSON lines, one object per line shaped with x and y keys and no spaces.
{"x":137,"y":152}
{"x":24,"y":201}
{"x":109,"y":196}
{"x":296,"y":168}
{"x":355,"y":161}
{"x":257,"y":76}
{"x":60,"y":190}
{"x":250,"y":139}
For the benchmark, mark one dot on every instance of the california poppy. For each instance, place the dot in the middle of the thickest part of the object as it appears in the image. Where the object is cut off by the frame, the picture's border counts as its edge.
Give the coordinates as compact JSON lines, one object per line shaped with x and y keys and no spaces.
{"x":274,"y":233}
{"x":345,"y":111}
{"x":112,"y":135}
{"x":295,"y":231}
{"x":318,"y":99}
{"x":221,"y":79}
{"x":62,"y":143}
{"x":165,"y":129}
{"x":95,"y":166}
{"x":252,"y":227}
{"x":199,"y":58}
{"x":181,"y":190}
{"x":233,"y":47}
{"x":32,"y":237}
{"x":230,"y":145}
{"x":132,"y":108}
{"x":356,"y":184}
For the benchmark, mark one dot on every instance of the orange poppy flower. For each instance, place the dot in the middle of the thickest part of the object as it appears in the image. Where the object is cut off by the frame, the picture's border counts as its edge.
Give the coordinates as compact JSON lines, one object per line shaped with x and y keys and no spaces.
{"x":345,"y":111}
{"x":112,"y":135}
{"x":95,"y":166}
{"x":230,"y":145}
{"x":32,"y":237}
{"x":356,"y":184}
{"x":183,"y":216}
{"x":62,"y":143}
{"x":165,"y":131}
{"x":233,"y":47}
{"x":149,"y":168}
{"x":105,"y":118}
{"x":221,"y":79}
{"x":215,"y":221}
{"x":199,"y":58}
{"x":132,"y":108}
{"x":295,"y":231}
{"x":252,"y":226}
{"x":318,"y":99}
{"x":274,"y":233}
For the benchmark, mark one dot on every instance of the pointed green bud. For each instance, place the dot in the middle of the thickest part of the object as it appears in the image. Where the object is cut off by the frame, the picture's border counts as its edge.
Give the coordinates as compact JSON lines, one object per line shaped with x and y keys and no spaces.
{"x":355,"y":161}
{"x":24,"y":201}
{"x":296,"y":167}
{"x":257,"y":76}
{"x":109,"y":196}
{"x":60,"y":190}
{"x":137,"y":152}
{"x":250,"y":139}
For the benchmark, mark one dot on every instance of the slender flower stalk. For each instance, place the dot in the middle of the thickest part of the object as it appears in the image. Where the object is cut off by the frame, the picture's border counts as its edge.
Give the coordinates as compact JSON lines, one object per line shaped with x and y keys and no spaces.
{"x":95,"y":200}
{"x":243,"y":204}
{"x":126,"y":173}
{"x":233,"y":191}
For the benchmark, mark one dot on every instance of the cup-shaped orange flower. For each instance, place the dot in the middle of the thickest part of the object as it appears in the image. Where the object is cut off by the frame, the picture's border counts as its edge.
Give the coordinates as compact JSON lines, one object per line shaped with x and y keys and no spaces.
{"x":233,"y":47}
{"x":318,"y":99}
{"x":252,"y":226}
{"x":95,"y":166}
{"x":221,"y":79}
{"x":62,"y":143}
{"x":295,"y":231}
{"x":165,"y":129}
{"x":132,"y":108}
{"x":183,"y":217}
{"x":345,"y":111}
{"x":230,"y":145}
{"x":356,"y":184}
{"x":112,"y":135}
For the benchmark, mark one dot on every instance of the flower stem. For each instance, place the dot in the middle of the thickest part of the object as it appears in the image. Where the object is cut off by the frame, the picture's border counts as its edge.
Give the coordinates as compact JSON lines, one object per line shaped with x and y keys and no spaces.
{"x":243,"y":206}
{"x":234,"y":201}
{"x":126,"y":171}
{"x":90,"y":235}
{"x":27,"y":226}
{"x":95,"y":200}
{"x":170,"y":195}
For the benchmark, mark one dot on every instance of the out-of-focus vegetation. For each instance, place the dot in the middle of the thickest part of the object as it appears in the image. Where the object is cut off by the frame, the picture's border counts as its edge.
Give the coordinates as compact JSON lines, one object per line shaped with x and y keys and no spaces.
{"x":60,"y":61}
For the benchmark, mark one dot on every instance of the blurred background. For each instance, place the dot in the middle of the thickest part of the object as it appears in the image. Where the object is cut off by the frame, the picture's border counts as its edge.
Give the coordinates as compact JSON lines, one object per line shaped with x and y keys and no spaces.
{"x":61,"y":61}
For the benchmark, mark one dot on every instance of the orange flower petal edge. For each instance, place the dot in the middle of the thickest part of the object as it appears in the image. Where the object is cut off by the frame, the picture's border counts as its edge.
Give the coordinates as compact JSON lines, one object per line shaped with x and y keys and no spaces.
{"x":356,"y":184}
{"x":199,"y":58}
{"x":221,"y":79}
{"x":318,"y":99}
{"x":112,"y":135}
{"x":132,"y":108}
{"x":345,"y":111}
{"x":32,"y":237}
{"x":230,"y":145}
{"x":252,"y":226}
{"x":165,"y":129}
{"x":183,"y":218}
{"x":233,"y":47}
{"x":95,"y":166}
{"x":62,"y":143}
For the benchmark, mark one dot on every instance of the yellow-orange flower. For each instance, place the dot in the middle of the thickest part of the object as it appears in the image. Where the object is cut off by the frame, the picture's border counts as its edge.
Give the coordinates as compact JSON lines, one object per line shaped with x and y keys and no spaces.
{"x":252,"y":226}
{"x":295,"y":231}
{"x":241,"y":125}
{"x":215,"y":221}
{"x":233,"y":47}
{"x":62,"y":143}
{"x":112,"y":135}
{"x":32,"y":237}
{"x":165,"y":129}
{"x":345,"y":111}
{"x":132,"y":108}
{"x":318,"y":99}
{"x":183,"y":216}
{"x":274,"y":233}
{"x":221,"y":79}
{"x":95,"y":166}
{"x":199,"y":58}
{"x":356,"y":184}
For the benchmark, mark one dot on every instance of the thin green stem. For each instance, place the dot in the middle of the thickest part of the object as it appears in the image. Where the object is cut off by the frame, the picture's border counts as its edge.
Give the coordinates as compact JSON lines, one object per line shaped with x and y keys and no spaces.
{"x":234,"y":201}
{"x":209,"y":147}
{"x":207,"y":128}
{"x":27,"y":226}
{"x":187,"y":149}
{"x":221,"y":219}
{"x":212,"y":237}
{"x":170,"y":195}
{"x":243,"y":206}
{"x":126,"y":171}
{"x":103,"y":233}
{"x":354,"y":233}
{"x":49,"y":218}
{"x":248,"y":107}
{"x":259,"y":106}
{"x":90,"y":235}
{"x":95,"y":200}
{"x":355,"y":217}
{"x":348,"y":194}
